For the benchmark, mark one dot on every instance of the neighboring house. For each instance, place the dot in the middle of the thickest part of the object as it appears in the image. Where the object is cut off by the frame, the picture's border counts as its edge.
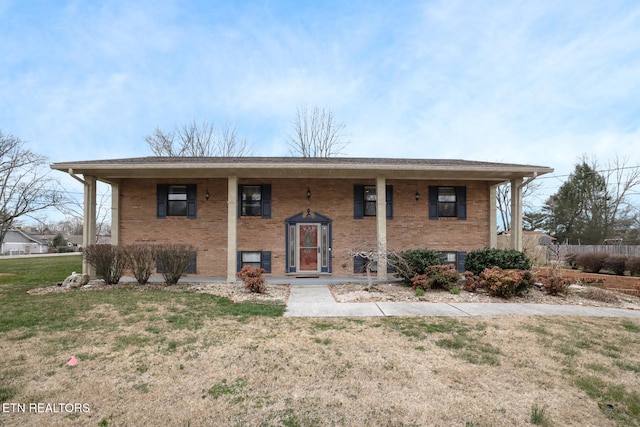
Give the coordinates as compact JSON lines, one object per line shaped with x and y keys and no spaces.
{"x":301,"y":216}
{"x":17,"y":242}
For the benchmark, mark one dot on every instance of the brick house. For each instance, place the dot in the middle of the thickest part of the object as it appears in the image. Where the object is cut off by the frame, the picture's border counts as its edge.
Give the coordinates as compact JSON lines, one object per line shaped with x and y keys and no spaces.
{"x":301,"y":216}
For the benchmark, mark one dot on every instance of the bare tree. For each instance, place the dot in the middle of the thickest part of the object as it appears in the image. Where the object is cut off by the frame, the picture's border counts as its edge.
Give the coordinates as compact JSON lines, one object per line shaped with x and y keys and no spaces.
{"x":198,"y":140}
{"x":74,"y":213}
{"x":503,"y":200}
{"x":316,"y":133}
{"x":25,"y":184}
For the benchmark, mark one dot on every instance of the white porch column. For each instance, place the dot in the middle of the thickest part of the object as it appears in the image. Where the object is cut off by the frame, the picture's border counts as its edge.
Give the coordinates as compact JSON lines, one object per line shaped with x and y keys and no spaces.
{"x":115,"y":213}
{"x":381,"y":226}
{"x":493,"y":220}
{"x":232,"y":222}
{"x":89,"y":224}
{"x":516,"y":214}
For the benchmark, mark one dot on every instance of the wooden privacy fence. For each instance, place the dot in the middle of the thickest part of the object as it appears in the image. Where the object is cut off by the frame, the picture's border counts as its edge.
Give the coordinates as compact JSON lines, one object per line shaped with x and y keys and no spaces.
{"x":628,"y":250}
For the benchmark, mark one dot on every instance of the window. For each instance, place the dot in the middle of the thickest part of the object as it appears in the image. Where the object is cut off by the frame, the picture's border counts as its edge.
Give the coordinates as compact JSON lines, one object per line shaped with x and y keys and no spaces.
{"x":456,"y":259}
{"x":176,"y":200}
{"x":365,"y":201}
{"x":370,"y":200}
{"x":447,"y":202}
{"x":251,"y":200}
{"x":252,"y":259}
{"x":254,"y":200}
{"x":255,"y":259}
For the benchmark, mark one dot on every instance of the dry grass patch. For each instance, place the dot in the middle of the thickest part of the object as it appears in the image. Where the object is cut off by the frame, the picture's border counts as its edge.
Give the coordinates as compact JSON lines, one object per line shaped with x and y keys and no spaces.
{"x":281,"y":371}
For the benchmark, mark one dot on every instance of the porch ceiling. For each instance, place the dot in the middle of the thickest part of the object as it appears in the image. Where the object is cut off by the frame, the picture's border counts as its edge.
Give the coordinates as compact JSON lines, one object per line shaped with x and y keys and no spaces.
{"x":290,"y":167}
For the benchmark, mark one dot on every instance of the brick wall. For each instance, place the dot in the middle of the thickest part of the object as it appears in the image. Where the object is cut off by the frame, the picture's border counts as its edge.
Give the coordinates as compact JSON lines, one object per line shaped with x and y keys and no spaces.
{"x":409,"y":228}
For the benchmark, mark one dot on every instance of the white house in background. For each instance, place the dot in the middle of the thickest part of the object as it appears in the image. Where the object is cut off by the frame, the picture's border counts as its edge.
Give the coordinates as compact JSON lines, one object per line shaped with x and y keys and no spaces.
{"x":17,"y":242}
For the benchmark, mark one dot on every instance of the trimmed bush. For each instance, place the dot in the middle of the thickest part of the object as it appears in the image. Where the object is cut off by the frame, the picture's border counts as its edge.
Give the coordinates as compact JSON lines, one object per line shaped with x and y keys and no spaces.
{"x":141,"y":260}
{"x":633,"y":266}
{"x":108,"y":261}
{"x":591,"y":262}
{"x":437,"y":276}
{"x":507,"y":259}
{"x":570,"y":260}
{"x":173,"y":260}
{"x":555,"y":285}
{"x":414,"y":262}
{"x":252,"y":278}
{"x":616,"y":264}
{"x":506,"y":283}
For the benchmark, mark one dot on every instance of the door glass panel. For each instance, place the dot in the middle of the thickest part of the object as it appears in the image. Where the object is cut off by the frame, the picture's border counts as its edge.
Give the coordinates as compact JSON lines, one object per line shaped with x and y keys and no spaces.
{"x":309,"y":247}
{"x":325,"y":245}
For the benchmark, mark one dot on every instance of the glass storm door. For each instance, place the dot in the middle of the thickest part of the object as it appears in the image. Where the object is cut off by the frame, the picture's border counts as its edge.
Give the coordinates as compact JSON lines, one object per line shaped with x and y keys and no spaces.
{"x":308,"y":247}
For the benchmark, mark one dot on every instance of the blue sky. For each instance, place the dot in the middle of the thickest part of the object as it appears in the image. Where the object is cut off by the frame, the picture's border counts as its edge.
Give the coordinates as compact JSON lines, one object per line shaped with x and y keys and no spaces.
{"x":534,"y":82}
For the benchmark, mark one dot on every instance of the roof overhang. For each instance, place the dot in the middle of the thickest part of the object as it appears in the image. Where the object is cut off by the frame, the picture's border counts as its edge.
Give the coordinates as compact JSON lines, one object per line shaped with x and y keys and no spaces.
{"x":292,"y":167}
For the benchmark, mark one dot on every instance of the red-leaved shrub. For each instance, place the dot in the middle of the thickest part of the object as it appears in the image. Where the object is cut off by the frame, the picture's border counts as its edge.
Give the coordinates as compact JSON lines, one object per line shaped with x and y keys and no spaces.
{"x":252,"y":278}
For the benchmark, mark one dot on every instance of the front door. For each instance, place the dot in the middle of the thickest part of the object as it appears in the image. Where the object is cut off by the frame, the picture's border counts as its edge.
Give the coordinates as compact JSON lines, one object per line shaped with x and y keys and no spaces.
{"x":308,"y":253}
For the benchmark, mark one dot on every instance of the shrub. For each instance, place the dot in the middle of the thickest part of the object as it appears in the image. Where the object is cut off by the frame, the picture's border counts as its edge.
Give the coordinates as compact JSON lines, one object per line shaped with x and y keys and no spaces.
{"x":507,"y":259}
{"x":173,"y":260}
{"x":506,"y":283}
{"x":107,"y":260}
{"x":252,"y":278}
{"x":616,"y":264}
{"x":471,"y":282}
{"x":570,"y":260}
{"x":555,"y":285}
{"x":591,"y":262}
{"x":414,"y":262}
{"x":633,"y":266}
{"x":141,"y":260}
{"x":436,"y":276}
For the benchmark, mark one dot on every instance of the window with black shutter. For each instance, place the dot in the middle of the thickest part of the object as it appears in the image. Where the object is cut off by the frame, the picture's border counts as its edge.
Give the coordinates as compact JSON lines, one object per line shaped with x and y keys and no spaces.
{"x":447,"y":202}
{"x":176,"y":200}
{"x":365,"y":201}
{"x":254,"y":200}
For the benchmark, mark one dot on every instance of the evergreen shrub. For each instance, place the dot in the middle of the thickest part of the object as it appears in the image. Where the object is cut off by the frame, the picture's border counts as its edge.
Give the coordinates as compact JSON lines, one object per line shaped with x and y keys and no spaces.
{"x":507,"y":259}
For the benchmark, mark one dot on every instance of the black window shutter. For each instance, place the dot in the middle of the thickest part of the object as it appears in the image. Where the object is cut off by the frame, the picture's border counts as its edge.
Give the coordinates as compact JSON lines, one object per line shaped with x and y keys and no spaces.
{"x":266,"y":201}
{"x":191,"y":268}
{"x":265,"y":262}
{"x":162,"y":194}
{"x":433,"y":202}
{"x":192,"y":196}
{"x":358,"y":264}
{"x":239,"y":201}
{"x":462,"y":256}
{"x":389,"y":196}
{"x":358,"y":201}
{"x":461,"y":201}
{"x":238,"y":261}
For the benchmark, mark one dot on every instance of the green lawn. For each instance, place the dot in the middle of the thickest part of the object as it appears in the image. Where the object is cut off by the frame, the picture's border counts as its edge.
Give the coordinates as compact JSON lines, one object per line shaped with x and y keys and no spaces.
{"x":62,"y":311}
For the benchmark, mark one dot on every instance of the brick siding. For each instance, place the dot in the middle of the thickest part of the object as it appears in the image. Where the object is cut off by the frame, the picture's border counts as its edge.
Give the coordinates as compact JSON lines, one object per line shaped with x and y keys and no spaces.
{"x":333,"y":198}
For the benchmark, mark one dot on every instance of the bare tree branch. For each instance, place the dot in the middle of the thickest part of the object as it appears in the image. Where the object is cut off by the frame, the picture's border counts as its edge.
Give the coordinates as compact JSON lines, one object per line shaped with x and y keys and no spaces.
{"x":316,"y":134}
{"x":25,"y":184}
{"x":198,"y":140}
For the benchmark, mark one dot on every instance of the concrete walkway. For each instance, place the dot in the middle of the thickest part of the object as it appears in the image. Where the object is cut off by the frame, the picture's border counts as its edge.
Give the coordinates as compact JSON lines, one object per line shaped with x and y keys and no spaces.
{"x":315,"y":300}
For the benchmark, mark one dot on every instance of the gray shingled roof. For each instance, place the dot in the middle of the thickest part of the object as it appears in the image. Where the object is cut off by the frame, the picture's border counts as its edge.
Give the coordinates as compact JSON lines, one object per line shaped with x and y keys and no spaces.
{"x":299,"y":167}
